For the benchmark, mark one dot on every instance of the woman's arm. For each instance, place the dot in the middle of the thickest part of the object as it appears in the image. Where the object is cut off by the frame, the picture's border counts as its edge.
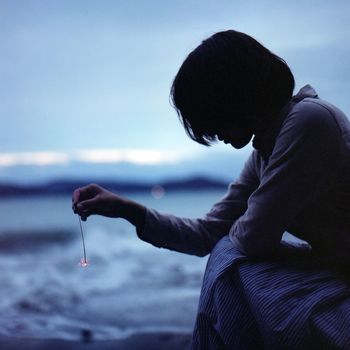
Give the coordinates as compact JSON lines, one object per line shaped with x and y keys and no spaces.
{"x":191,"y":236}
{"x":198,"y":236}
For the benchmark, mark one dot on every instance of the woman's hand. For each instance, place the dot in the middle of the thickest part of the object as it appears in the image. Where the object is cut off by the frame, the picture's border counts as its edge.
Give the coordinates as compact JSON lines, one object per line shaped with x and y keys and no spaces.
{"x":94,"y":199}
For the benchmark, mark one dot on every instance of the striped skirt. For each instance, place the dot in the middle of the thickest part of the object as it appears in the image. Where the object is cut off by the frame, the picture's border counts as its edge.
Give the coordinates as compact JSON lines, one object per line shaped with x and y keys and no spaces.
{"x":288,"y":302}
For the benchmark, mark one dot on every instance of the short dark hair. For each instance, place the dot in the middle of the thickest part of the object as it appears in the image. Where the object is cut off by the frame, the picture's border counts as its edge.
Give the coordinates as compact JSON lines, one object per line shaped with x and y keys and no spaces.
{"x":230,"y":79}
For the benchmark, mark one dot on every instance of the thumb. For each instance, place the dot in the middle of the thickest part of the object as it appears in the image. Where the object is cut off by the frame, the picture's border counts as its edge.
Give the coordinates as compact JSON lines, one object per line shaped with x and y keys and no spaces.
{"x":87,"y":204}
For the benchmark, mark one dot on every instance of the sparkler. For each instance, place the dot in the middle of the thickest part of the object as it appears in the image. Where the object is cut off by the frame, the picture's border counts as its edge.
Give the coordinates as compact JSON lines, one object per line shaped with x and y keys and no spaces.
{"x":83,"y":261}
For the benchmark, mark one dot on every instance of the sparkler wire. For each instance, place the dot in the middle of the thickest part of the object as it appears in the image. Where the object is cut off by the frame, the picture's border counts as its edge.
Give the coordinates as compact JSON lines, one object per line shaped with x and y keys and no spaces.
{"x":82,"y":238}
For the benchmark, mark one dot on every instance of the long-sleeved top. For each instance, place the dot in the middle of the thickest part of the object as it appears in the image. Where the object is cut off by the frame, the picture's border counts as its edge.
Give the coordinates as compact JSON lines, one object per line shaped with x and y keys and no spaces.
{"x":297,"y":179}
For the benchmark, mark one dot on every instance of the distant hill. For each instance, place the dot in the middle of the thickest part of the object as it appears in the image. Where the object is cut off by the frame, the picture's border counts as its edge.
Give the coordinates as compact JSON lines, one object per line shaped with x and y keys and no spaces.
{"x":63,"y":187}
{"x":208,"y":163}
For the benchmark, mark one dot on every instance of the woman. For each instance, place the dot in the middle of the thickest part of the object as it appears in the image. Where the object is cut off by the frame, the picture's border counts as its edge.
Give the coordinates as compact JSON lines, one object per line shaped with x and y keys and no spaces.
{"x":258,"y":292}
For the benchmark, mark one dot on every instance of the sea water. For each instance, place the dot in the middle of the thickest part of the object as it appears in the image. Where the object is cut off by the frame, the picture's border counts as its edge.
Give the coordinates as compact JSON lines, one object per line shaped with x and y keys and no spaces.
{"x":129,"y":286}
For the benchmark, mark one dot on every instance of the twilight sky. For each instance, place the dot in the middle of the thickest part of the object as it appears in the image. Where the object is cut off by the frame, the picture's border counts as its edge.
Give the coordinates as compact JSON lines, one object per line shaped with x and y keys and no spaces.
{"x":88,"y":81}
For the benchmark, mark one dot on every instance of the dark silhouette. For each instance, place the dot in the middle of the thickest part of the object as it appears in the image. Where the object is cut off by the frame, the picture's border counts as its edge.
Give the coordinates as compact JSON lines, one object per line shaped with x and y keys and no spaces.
{"x":230,"y":81}
{"x":259,"y":291}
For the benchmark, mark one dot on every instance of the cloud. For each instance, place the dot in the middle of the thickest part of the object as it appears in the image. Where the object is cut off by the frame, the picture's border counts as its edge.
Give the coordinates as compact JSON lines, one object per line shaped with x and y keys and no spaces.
{"x":33,"y":158}
{"x":135,"y":156}
{"x":101,"y":156}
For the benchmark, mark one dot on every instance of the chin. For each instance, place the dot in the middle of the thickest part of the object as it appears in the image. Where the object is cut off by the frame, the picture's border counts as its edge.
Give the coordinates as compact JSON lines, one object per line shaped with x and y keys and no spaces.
{"x":241,"y":144}
{"x":238,"y":146}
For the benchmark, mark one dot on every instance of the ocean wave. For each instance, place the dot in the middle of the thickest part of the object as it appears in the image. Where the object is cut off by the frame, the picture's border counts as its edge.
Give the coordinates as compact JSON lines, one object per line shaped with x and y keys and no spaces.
{"x":16,"y":241}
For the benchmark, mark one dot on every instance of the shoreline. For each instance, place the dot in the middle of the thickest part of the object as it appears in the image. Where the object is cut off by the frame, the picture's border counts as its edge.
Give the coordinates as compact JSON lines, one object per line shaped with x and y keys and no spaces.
{"x":144,"y":341}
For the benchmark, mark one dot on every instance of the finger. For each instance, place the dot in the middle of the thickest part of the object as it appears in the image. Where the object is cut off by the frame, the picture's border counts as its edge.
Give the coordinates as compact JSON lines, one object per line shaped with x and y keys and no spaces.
{"x":89,"y":204}
{"x":88,"y":207}
{"x":75,"y":197}
{"x":83,"y":214}
{"x":88,"y":192}
{"x":82,"y":193}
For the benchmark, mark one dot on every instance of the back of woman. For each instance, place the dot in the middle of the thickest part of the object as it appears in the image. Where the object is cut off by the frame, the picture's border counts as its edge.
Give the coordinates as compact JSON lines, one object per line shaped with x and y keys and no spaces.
{"x":325,"y":222}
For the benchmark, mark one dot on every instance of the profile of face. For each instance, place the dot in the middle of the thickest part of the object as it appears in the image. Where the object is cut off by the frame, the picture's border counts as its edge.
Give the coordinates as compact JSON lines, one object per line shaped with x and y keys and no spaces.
{"x":237,"y":137}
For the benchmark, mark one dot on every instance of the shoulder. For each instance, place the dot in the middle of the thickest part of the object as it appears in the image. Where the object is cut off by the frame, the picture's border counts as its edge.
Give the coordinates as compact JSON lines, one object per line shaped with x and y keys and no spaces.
{"x":311,"y":128}
{"x":312,"y":116}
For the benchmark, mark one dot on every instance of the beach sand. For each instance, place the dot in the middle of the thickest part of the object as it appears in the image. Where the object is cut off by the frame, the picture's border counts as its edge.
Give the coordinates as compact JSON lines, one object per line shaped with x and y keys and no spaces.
{"x":144,"y":341}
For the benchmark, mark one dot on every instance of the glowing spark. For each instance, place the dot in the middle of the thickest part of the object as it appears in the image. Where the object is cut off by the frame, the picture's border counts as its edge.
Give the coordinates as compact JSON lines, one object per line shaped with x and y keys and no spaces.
{"x":83,"y":261}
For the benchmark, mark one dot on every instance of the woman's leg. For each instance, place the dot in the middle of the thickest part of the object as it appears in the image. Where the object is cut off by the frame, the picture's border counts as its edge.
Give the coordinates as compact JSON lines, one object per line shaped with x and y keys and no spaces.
{"x":224,"y":320}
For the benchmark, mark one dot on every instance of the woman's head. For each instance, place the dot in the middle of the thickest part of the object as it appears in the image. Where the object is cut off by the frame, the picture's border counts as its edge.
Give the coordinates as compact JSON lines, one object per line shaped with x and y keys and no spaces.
{"x":230,"y":81}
